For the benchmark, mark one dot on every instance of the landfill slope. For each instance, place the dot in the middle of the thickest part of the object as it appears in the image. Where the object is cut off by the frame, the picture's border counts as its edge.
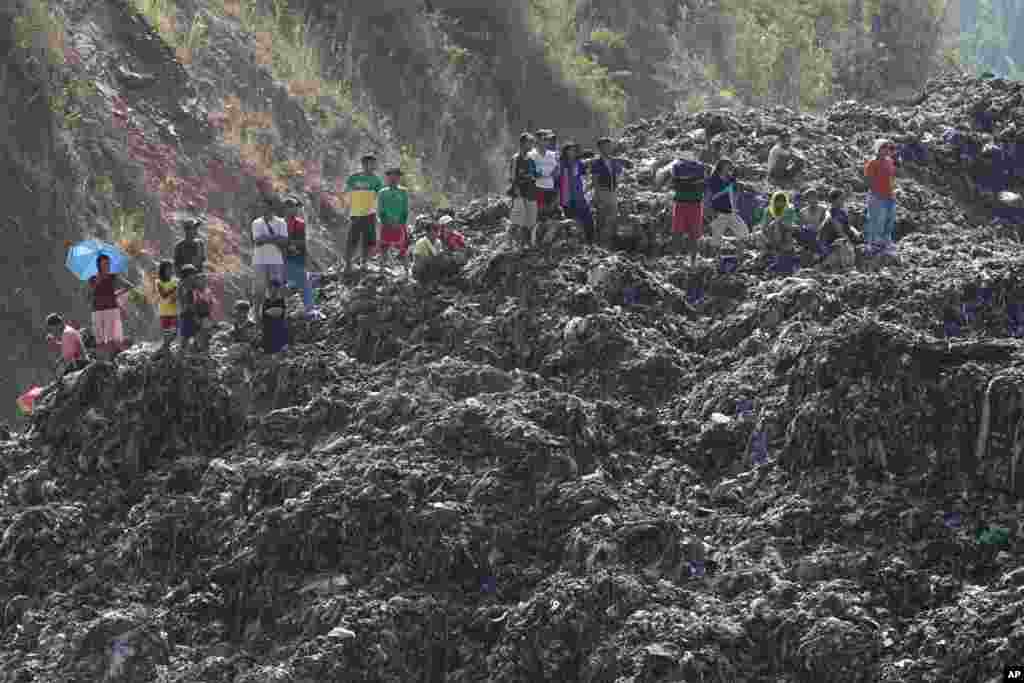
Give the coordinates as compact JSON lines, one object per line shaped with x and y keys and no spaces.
{"x":570,"y":464}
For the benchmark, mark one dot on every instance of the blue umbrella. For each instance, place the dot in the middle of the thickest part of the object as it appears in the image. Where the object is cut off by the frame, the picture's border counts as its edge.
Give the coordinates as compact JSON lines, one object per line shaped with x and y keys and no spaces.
{"x":81,"y":258}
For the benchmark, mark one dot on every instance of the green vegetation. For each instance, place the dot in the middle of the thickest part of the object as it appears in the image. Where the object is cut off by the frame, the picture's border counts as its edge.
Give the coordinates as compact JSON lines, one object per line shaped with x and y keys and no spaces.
{"x":992,"y":38}
{"x":608,"y":38}
{"x":67,"y":97}
{"x":423,"y":189}
{"x":39,"y":31}
{"x":555,"y":22}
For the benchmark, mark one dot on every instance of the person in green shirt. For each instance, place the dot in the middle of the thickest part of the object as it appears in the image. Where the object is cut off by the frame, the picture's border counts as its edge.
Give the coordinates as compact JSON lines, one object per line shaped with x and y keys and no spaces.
{"x":393,"y":213}
{"x":362,"y":189}
{"x":780,"y":226}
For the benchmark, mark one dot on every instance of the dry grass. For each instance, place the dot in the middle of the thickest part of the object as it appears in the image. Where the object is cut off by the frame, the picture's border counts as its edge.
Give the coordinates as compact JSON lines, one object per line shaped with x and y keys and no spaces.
{"x":264,"y":48}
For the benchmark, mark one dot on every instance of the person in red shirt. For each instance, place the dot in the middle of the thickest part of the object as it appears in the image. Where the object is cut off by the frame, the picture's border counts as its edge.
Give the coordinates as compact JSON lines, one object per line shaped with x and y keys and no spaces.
{"x":880,"y":223}
{"x":105,"y":288}
{"x":454,"y":241}
{"x":66,"y":339}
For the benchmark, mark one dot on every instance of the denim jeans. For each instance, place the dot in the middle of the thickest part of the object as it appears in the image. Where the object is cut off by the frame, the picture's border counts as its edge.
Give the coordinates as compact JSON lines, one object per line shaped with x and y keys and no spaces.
{"x":880,"y":223}
{"x":297,"y":277}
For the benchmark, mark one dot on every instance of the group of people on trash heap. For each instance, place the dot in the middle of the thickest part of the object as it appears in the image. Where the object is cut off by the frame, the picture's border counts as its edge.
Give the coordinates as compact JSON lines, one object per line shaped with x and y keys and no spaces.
{"x":547,"y":182}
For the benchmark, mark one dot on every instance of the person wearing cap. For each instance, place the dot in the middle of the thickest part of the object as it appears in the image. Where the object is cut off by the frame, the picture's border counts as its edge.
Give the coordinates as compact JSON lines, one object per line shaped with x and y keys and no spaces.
{"x":783,"y":163}
{"x":393,"y":212}
{"x":546,"y":160}
{"x":605,"y":171}
{"x":523,"y":174}
{"x":362,"y":189}
{"x":569,"y":177}
{"x":67,"y":340}
{"x":880,"y":222}
{"x":270,"y":239}
{"x":295,"y":262}
{"x":191,"y":249}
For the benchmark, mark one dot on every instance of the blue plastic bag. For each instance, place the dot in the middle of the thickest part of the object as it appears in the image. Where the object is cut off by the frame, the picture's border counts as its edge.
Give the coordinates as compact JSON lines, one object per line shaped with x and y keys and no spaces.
{"x":759,"y":448}
{"x":951,"y":328}
{"x":727,"y":264}
{"x":694,"y":295}
{"x":631,"y":296}
{"x":951,"y":520}
{"x":696,"y":568}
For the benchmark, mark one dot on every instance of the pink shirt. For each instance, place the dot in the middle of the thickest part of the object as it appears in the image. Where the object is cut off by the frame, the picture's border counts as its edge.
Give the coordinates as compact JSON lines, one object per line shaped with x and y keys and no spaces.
{"x":70,"y":344}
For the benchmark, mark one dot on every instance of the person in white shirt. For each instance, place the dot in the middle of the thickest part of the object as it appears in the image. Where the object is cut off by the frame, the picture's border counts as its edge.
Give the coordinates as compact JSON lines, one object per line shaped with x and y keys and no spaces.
{"x":269,"y":238}
{"x":545,"y":156}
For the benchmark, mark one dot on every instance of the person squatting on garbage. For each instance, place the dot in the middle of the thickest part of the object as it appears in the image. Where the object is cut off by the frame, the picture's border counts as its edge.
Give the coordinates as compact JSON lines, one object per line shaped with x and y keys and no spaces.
{"x":780,"y":226}
{"x":244,"y":329}
{"x":605,"y":172}
{"x":393,"y":213}
{"x":523,"y":174}
{"x":191,"y":249}
{"x":687,"y":203}
{"x":270,"y":239}
{"x":275,"y":319}
{"x":880,"y":222}
{"x":569,"y":177}
{"x":836,"y":236}
{"x":362,"y":189}
{"x":812,"y":213}
{"x":545,"y":158}
{"x":65,"y":339}
{"x":720,"y":196}
{"x":167,"y":302}
{"x":296,"y":249}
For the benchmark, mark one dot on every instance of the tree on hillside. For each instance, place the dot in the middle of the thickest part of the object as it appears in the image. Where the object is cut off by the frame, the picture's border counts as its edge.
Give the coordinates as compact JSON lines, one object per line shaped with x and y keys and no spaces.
{"x":992,"y":37}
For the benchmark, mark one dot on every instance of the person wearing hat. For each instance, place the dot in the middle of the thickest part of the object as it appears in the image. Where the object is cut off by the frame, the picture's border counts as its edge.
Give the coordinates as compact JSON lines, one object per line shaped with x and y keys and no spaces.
{"x":605,"y":171}
{"x":295,"y":261}
{"x":545,"y":158}
{"x":569,"y":178}
{"x":362,"y":189}
{"x":523,"y":174}
{"x":393,"y":212}
{"x":270,"y":239}
{"x":191,"y":249}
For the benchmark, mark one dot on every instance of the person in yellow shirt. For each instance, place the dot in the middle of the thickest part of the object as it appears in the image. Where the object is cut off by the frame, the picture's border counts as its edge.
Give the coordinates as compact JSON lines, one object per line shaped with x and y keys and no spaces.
{"x":167,"y":298}
{"x":362,"y":189}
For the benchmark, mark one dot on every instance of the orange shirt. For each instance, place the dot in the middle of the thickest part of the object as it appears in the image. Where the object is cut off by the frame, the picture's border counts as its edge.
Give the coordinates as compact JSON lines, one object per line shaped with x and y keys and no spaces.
{"x":882,"y":174}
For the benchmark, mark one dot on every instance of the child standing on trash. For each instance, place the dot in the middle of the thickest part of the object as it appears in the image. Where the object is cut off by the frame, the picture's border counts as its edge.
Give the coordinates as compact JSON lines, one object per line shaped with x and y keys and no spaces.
{"x":295,"y":260}
{"x":523,"y":174}
{"x":393,"y":213}
{"x":193,"y":308}
{"x":687,"y":203}
{"x":167,"y":302}
{"x":605,"y":171}
{"x":879,"y":228}
{"x":275,"y":321}
{"x":569,"y":177}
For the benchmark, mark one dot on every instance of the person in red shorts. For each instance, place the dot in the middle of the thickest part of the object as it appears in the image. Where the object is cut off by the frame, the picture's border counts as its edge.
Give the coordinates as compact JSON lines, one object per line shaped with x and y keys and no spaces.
{"x":687,"y":203}
{"x":393,"y":214}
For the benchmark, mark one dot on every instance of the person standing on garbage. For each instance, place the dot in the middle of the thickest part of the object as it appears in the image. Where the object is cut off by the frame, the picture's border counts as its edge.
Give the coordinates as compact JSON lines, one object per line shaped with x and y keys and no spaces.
{"x":545,"y":158}
{"x":393,"y":212}
{"x":836,"y":236}
{"x":191,"y":249}
{"x":167,"y":302}
{"x":523,"y":174}
{"x":362,"y":189}
{"x":569,"y":178}
{"x":194,"y":305}
{"x":605,"y":171}
{"x":721,"y":195}
{"x":880,"y":223}
{"x":687,"y":203}
{"x":67,"y":340}
{"x":270,"y":239}
{"x":783,"y":164}
{"x":105,"y":288}
{"x":295,"y":262}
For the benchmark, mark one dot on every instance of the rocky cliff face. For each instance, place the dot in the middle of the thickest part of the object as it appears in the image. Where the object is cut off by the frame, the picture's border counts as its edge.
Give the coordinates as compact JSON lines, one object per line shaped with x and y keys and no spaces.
{"x":570,"y":464}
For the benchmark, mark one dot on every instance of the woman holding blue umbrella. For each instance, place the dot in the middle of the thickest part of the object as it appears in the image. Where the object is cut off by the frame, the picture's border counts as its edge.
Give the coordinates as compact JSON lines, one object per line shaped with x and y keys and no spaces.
{"x":105,"y":287}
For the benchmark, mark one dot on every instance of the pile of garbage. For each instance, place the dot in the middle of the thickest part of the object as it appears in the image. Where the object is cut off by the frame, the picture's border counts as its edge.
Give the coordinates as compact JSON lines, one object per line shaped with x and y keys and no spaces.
{"x":569,"y":464}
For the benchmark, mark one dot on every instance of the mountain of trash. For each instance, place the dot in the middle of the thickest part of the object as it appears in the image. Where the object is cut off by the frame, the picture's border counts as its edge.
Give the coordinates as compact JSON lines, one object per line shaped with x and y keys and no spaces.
{"x":570,"y":463}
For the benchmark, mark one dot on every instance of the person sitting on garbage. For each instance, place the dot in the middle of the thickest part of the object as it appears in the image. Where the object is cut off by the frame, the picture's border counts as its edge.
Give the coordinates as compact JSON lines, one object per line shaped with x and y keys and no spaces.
{"x":569,"y":177}
{"x":191,"y":249}
{"x":523,"y":174}
{"x":453,"y":241}
{"x":545,"y":158}
{"x":783,"y":163}
{"x":780,"y":227}
{"x":275,"y":319}
{"x":194,"y":305}
{"x":812,"y":213}
{"x":687,"y":203}
{"x":720,"y":193}
{"x":836,"y":236}
{"x":880,"y":222}
{"x":243,"y":329}
{"x":393,"y":214}
{"x":429,"y":260}
{"x":66,"y":339}
{"x":605,"y":171}
{"x":105,"y":289}
{"x":167,"y":298}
